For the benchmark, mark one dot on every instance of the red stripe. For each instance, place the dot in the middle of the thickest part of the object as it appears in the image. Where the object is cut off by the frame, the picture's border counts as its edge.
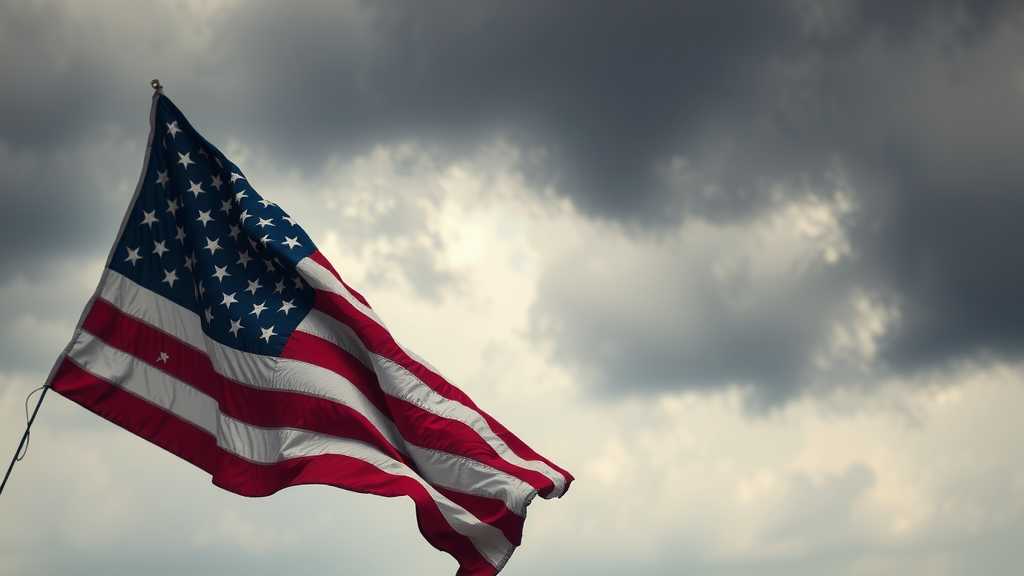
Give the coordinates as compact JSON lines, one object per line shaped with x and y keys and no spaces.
{"x":424,"y":429}
{"x":311,"y":349}
{"x":415,"y":424}
{"x":259,"y":407}
{"x":322,"y":260}
{"x":491,"y":511}
{"x":429,"y":430}
{"x":138,"y":416}
{"x":522,"y":449}
{"x":245,"y":478}
{"x":378,"y":340}
{"x":277,"y":408}
{"x":248,"y":479}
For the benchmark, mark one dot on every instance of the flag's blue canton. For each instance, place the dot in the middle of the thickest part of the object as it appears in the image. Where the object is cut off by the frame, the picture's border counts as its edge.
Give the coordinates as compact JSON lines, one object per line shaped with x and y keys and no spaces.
{"x":200,"y":235}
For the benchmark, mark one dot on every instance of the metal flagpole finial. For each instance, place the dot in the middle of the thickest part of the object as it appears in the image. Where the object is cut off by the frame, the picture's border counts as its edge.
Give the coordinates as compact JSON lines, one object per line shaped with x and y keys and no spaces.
{"x":155,"y":83}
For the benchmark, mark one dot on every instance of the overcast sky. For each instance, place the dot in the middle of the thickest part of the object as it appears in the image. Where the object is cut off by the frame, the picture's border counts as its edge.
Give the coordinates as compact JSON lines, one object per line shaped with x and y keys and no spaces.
{"x":748,"y":269}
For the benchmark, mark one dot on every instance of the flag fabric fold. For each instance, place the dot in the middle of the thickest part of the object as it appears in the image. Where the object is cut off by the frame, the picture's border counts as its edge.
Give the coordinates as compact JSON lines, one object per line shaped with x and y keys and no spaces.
{"x":220,"y":333}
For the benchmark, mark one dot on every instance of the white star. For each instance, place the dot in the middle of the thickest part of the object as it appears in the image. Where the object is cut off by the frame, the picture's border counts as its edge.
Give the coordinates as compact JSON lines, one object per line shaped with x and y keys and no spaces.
{"x":286,"y":305}
{"x":257,"y":309}
{"x":196,"y":188}
{"x":172,"y":128}
{"x":279,"y":286}
{"x":265,"y":240}
{"x":208,"y":313}
{"x":190,"y":261}
{"x":161,"y":178}
{"x":149,"y":218}
{"x":225,"y":206}
{"x":288,"y":219}
{"x":180,"y":236}
{"x":266,"y":333}
{"x":173,"y":207}
{"x":291,"y":242}
{"x":265,"y":222}
{"x":159,"y":248}
{"x":236,"y":325}
{"x":229,"y":299}
{"x":240,"y":194}
{"x":212,"y":244}
{"x":236,"y":176}
{"x":201,"y":289}
{"x":204,"y":217}
{"x":220,"y":272}
{"x":164,"y":357}
{"x":184,"y":159}
{"x":170,"y":276}
{"x":255,"y":245}
{"x":244,"y":258}
{"x":270,"y":265}
{"x":266,"y":202}
{"x":245,"y":214}
{"x":235,"y":231}
{"x":217,"y":182}
{"x":298,"y":283}
{"x":133,"y":256}
{"x":254,"y":285}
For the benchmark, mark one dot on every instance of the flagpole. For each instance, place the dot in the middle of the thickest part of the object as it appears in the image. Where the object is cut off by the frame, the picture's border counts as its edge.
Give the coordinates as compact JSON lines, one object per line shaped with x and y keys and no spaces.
{"x":24,"y":438}
{"x":18,"y":455}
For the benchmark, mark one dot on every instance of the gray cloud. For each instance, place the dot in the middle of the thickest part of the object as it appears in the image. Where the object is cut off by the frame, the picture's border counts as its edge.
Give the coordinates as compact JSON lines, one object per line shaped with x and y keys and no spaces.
{"x":607,"y":95}
{"x":691,"y":139}
{"x":918,"y":115}
{"x":711,"y":307}
{"x":650,"y":118}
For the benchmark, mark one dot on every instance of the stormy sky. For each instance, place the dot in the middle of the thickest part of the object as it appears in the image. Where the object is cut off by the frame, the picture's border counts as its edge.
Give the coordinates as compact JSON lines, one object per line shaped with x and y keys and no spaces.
{"x":747,"y":269}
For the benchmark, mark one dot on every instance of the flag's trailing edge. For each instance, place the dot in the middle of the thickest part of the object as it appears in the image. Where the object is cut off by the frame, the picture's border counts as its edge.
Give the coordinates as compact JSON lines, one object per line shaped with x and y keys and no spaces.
{"x":220,"y":333}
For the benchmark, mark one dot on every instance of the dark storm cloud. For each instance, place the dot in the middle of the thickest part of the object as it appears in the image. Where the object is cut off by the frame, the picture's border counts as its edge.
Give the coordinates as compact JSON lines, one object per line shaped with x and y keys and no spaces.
{"x":73,"y":125}
{"x":611,"y":91}
{"x":917,"y":110}
{"x":650,"y":115}
{"x":925,"y":125}
{"x":606,"y":88}
{"x":921,"y":117}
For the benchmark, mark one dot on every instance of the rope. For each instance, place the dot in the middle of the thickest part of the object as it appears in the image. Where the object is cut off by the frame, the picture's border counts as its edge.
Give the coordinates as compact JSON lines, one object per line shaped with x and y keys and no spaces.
{"x":22,"y":450}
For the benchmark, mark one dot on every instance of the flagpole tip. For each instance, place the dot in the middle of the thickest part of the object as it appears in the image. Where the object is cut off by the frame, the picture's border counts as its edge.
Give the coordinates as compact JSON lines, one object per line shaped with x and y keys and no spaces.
{"x":155,"y":83}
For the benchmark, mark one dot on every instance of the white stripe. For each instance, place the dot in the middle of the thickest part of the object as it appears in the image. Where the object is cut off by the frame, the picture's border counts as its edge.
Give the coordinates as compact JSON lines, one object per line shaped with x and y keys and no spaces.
{"x":95,"y":356}
{"x":441,"y":468}
{"x":270,"y":445}
{"x":401,"y":383}
{"x":321,"y":278}
{"x":313,"y":380}
{"x":134,"y":300}
{"x":326,"y":327}
{"x":338,"y":333}
{"x":263,"y":445}
{"x":271,"y":373}
{"x":396,"y":381}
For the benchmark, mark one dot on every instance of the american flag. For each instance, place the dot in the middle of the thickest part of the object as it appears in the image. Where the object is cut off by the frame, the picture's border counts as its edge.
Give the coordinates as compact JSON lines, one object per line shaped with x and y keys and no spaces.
{"x":220,"y":333}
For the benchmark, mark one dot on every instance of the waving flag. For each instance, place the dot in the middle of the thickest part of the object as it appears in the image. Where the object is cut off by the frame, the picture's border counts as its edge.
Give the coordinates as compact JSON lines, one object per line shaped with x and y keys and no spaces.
{"x":221,"y":334}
